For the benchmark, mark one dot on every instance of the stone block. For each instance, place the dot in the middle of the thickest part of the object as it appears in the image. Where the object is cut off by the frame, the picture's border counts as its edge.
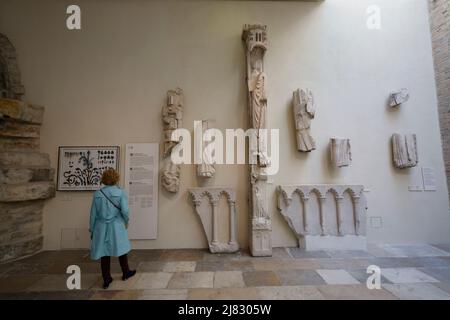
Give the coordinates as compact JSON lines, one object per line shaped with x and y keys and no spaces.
{"x":21,"y":111}
{"x":20,"y":249}
{"x":23,"y":159}
{"x":19,"y":232}
{"x":28,"y":191}
{"x":24,"y":175}
{"x":19,"y":144}
{"x":10,"y":128}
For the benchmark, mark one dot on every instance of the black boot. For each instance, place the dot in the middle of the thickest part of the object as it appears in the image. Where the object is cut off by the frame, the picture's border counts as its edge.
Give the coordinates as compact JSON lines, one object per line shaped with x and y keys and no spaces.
{"x":126,"y":272}
{"x":106,"y":271}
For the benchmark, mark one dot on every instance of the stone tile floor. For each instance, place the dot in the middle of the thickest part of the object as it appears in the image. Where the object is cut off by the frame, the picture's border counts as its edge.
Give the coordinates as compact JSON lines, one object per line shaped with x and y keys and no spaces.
{"x":408,"y":272}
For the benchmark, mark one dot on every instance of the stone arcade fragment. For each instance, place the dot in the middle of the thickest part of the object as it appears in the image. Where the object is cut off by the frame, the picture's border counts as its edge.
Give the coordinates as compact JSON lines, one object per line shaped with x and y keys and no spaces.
{"x":304,"y":110}
{"x":341,"y":155}
{"x":206,"y":204}
{"x":404,"y":150}
{"x":397,"y":98}
{"x":325,"y":216}
{"x":255,"y":41}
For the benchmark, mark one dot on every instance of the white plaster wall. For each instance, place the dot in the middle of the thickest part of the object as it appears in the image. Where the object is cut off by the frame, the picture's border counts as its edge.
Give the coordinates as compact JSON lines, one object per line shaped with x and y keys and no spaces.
{"x":106,"y":84}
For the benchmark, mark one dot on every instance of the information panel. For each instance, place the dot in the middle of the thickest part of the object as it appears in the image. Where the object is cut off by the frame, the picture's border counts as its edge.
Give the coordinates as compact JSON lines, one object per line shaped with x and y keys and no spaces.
{"x":141,"y":185}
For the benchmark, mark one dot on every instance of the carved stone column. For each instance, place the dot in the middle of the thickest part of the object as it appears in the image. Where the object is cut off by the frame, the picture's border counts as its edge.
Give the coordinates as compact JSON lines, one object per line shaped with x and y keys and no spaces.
{"x":322,"y":209}
{"x":339,"y":201}
{"x":215,"y":223}
{"x":233,"y":227}
{"x":255,"y":42}
{"x":356,"y":213}
{"x":305,"y":213}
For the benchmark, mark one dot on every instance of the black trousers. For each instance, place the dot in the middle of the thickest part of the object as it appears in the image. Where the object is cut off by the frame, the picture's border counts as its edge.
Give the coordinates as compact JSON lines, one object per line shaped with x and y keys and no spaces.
{"x":106,"y":266}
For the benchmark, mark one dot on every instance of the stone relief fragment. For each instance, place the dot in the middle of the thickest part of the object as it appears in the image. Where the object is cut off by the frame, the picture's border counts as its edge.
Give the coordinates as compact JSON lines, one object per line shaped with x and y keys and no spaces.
{"x":304,"y":111}
{"x":399,"y":97}
{"x":170,"y":178}
{"x":341,"y":155}
{"x":206,"y":168}
{"x":404,"y":151}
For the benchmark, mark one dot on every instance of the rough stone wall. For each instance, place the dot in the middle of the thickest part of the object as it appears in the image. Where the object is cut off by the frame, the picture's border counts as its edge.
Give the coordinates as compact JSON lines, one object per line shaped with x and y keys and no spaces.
{"x":26,"y":178}
{"x":10,"y":84}
{"x":440,"y":32}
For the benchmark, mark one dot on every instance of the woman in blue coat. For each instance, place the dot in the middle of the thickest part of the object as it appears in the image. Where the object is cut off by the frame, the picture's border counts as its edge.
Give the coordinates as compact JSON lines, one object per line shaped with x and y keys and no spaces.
{"x":108,"y":224}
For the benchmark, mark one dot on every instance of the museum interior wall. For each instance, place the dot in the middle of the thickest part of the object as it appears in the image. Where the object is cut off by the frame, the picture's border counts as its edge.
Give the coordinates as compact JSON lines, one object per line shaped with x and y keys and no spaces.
{"x":105,"y":85}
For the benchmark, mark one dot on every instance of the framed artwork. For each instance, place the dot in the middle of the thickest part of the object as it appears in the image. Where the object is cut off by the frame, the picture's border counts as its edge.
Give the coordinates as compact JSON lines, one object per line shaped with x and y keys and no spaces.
{"x":81,"y":168}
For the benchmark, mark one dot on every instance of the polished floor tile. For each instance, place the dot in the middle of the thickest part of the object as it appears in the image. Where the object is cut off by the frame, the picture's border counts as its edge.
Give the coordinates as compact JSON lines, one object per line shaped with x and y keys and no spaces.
{"x":349,"y":254}
{"x":340,"y":263}
{"x":299,"y":277}
{"x":182,"y":255}
{"x":188,"y":280}
{"x":179,"y":266}
{"x":337,"y":276}
{"x":290,"y":293}
{"x":163,"y":294}
{"x":261,"y":279}
{"x":224,"y":294}
{"x":439,"y":273}
{"x":354,"y":292}
{"x":407,"y":272}
{"x":415,"y":251}
{"x":417,"y":291}
{"x":228,"y":279}
{"x":18,"y":283}
{"x":361,"y":275}
{"x":152,"y":280}
{"x":65,"y":295}
{"x":302,"y":253}
{"x":59,"y":282}
{"x":406,"y":275}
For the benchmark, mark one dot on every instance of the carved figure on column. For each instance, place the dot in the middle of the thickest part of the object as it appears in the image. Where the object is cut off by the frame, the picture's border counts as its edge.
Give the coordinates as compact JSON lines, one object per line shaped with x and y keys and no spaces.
{"x":170,"y":179}
{"x":255,"y":41}
{"x":172,"y":116}
{"x":304,"y":111}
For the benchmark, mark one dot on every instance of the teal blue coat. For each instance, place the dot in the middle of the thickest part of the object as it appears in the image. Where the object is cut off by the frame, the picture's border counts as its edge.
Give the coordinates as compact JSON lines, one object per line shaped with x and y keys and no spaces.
{"x":107,"y":223}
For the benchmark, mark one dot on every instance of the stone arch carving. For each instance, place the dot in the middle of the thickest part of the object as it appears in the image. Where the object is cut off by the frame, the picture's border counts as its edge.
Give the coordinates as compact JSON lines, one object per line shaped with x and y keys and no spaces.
{"x":209,"y":216}
{"x":10,"y":83}
{"x":344,"y":205}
